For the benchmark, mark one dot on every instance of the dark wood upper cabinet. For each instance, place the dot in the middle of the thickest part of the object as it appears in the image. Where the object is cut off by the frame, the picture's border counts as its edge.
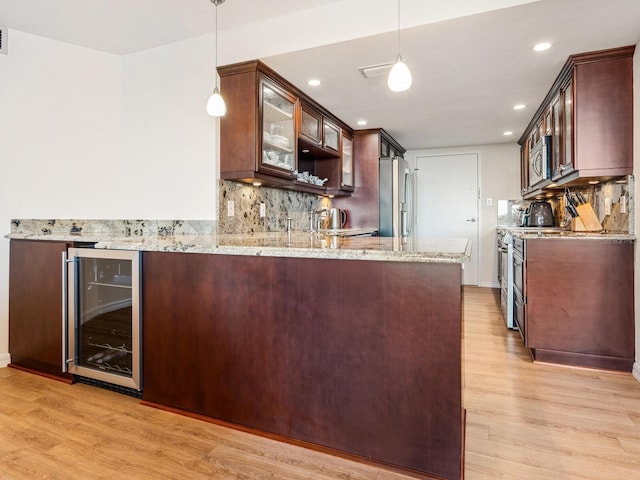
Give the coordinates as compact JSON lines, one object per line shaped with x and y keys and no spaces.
{"x":272,"y":130}
{"x":589,"y":114}
{"x":363,"y":205}
{"x":278,"y":127}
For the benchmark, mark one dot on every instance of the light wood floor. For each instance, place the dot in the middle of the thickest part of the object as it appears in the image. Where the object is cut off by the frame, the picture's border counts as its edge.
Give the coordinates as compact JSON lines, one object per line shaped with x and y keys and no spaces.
{"x":524,"y":422}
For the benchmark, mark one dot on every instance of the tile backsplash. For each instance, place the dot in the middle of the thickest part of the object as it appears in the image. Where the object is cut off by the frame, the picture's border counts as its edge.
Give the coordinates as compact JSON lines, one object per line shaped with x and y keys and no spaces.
{"x":599,"y":195}
{"x":279,"y":205}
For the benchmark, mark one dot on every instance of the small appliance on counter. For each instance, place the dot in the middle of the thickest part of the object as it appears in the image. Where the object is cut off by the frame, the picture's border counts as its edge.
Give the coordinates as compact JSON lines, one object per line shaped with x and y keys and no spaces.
{"x":539,"y":213}
{"x":337,"y":218}
{"x":510,"y":213}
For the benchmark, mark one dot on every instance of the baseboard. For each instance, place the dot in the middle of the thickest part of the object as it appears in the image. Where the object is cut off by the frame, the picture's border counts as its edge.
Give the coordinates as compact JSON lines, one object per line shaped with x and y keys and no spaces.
{"x":5,"y":359}
{"x":489,"y":285}
{"x":636,"y":371}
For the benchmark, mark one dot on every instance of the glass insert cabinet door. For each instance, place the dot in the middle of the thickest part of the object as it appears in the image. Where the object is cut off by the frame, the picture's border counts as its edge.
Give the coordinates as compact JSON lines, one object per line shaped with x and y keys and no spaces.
{"x":278,"y":129}
{"x":347,"y":163}
{"x":103,"y":319}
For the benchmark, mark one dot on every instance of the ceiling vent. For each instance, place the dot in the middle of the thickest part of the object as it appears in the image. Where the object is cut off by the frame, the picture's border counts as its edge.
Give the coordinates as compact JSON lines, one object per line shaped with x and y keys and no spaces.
{"x":3,"y":40}
{"x":379,"y":70}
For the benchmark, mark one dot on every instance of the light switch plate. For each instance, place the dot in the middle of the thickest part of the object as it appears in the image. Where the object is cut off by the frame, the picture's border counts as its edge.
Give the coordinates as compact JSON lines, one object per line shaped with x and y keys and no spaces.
{"x":230,"y":208}
{"x":263,"y":210}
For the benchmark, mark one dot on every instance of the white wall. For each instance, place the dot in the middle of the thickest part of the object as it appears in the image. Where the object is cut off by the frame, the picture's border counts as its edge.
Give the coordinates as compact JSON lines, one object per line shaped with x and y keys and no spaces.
{"x":499,"y":178}
{"x":169,"y":156}
{"x":60,"y":121}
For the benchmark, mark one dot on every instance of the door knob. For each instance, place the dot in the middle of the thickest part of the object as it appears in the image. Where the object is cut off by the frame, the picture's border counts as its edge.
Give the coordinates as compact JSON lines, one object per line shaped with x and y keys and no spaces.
{"x":472,"y":220}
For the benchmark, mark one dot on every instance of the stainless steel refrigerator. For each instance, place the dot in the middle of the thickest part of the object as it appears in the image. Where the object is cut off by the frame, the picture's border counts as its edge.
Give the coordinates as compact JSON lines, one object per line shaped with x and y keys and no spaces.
{"x":396,"y":198}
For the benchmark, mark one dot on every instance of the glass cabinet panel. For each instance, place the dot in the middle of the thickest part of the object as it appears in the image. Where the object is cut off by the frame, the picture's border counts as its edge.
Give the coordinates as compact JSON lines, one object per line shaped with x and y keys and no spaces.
{"x":310,"y":126}
{"x":331,"y":136}
{"x":278,"y":128}
{"x":556,"y":133}
{"x":347,"y":162}
{"x":567,"y":140}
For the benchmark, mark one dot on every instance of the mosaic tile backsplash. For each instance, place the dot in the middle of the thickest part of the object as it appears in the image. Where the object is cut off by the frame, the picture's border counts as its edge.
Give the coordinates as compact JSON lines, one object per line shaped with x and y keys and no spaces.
{"x":279,"y":205}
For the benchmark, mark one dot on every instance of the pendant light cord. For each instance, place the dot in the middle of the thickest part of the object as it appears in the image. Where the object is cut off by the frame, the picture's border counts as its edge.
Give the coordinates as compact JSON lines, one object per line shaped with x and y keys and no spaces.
{"x":215,"y":73}
{"x":398,"y":31}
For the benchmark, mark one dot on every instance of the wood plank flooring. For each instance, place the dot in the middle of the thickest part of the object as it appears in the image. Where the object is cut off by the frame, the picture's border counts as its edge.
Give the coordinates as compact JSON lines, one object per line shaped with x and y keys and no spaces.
{"x":530,"y":421}
{"x":524,"y":421}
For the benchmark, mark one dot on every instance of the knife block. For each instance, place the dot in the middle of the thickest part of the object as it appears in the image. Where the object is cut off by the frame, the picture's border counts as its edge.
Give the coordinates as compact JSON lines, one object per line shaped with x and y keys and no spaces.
{"x":587,"y":220}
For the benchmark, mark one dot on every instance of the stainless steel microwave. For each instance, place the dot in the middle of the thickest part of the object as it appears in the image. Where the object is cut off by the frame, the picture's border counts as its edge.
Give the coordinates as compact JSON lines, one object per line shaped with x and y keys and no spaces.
{"x":540,"y":163}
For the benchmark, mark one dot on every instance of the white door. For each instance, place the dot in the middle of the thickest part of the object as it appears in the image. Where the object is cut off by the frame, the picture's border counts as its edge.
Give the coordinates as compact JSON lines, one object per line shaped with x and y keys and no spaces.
{"x":447,"y":202}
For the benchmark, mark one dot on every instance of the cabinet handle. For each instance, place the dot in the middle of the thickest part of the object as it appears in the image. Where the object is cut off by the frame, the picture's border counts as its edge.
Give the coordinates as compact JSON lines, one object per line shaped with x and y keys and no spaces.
{"x":65,"y":311}
{"x":65,"y":291}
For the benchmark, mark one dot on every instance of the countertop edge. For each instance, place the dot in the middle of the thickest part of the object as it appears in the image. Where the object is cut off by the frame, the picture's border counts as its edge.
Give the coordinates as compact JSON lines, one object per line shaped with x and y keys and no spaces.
{"x":161,"y":244}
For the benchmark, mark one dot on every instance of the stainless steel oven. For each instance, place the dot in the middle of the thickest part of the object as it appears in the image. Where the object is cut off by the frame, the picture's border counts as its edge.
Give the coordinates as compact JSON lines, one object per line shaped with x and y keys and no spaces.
{"x":518,"y":285}
{"x":505,"y":276}
{"x":101,"y":317}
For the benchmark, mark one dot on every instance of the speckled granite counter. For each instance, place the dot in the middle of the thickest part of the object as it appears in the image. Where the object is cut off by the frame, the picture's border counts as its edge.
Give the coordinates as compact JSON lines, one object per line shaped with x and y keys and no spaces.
{"x":542,"y":232}
{"x":201,"y":237}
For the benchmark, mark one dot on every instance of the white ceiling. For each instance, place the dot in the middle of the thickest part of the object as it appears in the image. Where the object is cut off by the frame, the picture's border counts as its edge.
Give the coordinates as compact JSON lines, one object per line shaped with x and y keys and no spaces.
{"x":468,"y":72}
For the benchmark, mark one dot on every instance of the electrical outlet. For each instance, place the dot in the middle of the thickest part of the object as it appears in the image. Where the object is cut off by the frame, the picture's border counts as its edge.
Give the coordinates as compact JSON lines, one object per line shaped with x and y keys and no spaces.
{"x":263,"y":210}
{"x":231,"y":210}
{"x":489,"y":202}
{"x":607,"y":206}
{"x":623,"y":204}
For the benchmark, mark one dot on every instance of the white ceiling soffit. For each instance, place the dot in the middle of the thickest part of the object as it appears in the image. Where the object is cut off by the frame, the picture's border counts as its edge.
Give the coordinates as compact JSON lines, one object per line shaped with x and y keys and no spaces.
{"x":468,"y":73}
{"x":128,"y":26}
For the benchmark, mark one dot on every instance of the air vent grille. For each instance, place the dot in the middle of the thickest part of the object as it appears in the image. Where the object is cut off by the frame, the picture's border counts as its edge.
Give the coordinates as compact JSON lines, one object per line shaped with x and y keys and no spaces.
{"x":3,"y":40}
{"x":379,"y":70}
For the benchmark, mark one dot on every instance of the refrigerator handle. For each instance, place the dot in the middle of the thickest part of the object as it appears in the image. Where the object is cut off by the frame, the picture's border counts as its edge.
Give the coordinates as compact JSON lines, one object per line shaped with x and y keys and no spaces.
{"x":65,"y":312}
{"x":406,"y":205}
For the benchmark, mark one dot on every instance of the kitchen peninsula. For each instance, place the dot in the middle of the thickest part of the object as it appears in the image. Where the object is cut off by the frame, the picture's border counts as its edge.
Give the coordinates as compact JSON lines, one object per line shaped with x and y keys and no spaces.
{"x":347,"y":344}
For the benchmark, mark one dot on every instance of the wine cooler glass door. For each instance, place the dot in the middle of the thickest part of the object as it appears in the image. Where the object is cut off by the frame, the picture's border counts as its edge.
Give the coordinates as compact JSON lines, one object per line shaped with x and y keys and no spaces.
{"x":104,"y":317}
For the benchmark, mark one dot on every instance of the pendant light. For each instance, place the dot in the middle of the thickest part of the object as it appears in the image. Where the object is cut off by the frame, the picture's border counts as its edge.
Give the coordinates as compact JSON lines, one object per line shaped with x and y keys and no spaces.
{"x":216,"y":106}
{"x":399,"y":78}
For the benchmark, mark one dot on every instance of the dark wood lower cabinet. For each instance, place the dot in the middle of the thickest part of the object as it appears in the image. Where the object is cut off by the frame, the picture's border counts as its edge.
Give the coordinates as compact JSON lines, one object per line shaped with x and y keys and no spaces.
{"x":361,"y":357}
{"x":35,"y":306}
{"x":579,"y":302}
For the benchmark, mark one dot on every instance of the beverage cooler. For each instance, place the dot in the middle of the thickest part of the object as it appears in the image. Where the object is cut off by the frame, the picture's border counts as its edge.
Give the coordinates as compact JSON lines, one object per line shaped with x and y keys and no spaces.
{"x":101,"y":318}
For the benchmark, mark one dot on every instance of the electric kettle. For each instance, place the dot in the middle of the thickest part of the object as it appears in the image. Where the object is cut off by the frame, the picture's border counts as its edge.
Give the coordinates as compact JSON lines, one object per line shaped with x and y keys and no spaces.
{"x":337,"y":218}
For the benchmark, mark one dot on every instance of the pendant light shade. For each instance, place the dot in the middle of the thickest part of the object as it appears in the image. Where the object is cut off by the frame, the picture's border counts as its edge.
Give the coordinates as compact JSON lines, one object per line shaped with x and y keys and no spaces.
{"x":399,"y":78}
{"x":215,"y":105}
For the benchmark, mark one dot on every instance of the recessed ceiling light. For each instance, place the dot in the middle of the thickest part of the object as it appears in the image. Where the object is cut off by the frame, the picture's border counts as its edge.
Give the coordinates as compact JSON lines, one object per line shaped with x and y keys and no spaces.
{"x":542,"y":46}
{"x":519,"y":106}
{"x":362,"y":122}
{"x":508,"y":133}
{"x":593,"y":182}
{"x":314,"y":82}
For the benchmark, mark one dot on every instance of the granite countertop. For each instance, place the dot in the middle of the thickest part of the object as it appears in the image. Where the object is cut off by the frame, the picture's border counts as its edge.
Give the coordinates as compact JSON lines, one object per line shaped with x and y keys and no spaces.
{"x":202,"y":237}
{"x":553,"y":232}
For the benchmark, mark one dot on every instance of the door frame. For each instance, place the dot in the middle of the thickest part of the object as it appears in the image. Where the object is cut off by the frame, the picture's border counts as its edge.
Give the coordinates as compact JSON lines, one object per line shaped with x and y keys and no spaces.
{"x":453,"y":153}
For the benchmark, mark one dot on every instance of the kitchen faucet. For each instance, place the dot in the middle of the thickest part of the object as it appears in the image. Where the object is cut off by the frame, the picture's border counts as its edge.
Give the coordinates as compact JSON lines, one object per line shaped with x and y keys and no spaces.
{"x":315,"y":217}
